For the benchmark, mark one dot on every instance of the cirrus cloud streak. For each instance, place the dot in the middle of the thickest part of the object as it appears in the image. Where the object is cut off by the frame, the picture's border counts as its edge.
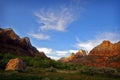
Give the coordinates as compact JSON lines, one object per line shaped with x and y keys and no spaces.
{"x":39,"y":36}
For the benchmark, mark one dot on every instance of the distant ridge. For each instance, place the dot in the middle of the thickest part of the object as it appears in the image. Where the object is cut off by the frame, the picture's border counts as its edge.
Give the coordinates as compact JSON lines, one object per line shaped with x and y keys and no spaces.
{"x":74,"y":57}
{"x":106,"y":54}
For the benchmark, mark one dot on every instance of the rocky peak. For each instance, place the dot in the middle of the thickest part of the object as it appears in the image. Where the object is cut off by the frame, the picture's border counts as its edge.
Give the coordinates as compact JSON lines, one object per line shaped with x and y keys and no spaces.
{"x":105,"y":54}
{"x":106,"y":43}
{"x":9,"y":32}
{"x":26,"y":41}
{"x":74,"y":56}
{"x":82,"y":52}
{"x":106,"y":48}
{"x":70,"y":57}
{"x":11,"y":43}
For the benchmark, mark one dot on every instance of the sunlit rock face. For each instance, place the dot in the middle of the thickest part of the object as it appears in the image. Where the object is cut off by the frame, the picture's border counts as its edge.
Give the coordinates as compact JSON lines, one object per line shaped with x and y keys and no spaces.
{"x":106,"y":48}
{"x":82,"y":53}
{"x":15,"y":64}
{"x":74,"y":57}
{"x":106,"y":54}
{"x":11,"y":43}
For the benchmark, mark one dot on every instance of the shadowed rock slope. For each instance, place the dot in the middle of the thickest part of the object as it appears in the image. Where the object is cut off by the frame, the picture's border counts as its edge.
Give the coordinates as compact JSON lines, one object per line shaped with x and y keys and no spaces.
{"x":11,"y":43}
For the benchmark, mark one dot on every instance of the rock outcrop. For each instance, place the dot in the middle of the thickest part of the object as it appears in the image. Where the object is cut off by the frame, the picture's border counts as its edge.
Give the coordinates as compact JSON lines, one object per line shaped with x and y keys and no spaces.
{"x":15,"y":64}
{"x":106,"y":48}
{"x":106,"y":54}
{"x":11,"y":43}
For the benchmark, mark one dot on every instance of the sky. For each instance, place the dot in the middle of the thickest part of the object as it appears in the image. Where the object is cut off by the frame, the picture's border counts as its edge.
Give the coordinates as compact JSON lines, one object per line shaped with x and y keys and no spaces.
{"x":60,"y":27}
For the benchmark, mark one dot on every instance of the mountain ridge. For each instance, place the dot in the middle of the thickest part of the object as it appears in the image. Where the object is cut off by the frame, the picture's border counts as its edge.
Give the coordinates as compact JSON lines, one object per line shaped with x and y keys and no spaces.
{"x":11,"y":43}
{"x":105,"y":54}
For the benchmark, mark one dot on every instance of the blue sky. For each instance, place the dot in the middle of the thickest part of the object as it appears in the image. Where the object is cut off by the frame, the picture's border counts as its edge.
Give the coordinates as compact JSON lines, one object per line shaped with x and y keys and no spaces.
{"x":59,"y":27}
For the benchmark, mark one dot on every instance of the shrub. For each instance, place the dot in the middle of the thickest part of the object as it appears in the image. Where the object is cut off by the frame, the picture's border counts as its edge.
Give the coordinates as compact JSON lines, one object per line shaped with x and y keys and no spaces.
{"x":29,"y":69}
{"x":4,"y":59}
{"x":27,"y":60}
{"x":51,"y":69}
{"x":104,"y":71}
{"x":88,"y":70}
{"x":9,"y":56}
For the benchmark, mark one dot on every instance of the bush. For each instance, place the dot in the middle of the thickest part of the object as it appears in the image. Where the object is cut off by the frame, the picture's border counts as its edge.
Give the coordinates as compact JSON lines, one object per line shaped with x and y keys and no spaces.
{"x":4,"y":58}
{"x":27,"y":60}
{"x":29,"y":69}
{"x":88,"y":70}
{"x":51,"y":69}
{"x":9,"y":56}
{"x":104,"y":71}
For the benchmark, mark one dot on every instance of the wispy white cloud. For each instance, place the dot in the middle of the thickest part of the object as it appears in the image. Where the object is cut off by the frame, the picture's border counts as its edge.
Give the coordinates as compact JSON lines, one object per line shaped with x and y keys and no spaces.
{"x":64,"y":53}
{"x":56,"y":54}
{"x":39,"y":36}
{"x":61,"y":53}
{"x":72,"y":51}
{"x":55,"y":20}
{"x":58,"y":18}
{"x":46,"y":50}
{"x":88,"y":45}
{"x":54,"y":57}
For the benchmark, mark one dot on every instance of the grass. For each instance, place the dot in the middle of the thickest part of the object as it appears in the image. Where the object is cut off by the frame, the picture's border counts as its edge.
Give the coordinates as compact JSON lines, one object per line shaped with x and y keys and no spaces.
{"x":47,"y":74}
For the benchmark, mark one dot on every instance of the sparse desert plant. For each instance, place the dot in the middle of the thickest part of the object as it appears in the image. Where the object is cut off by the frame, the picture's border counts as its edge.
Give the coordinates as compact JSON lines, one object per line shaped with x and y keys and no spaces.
{"x":4,"y":59}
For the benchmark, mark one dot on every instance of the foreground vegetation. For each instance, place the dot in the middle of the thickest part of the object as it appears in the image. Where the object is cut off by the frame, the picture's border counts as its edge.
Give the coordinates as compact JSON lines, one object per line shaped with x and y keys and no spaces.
{"x":46,"y":74}
{"x":39,"y":68}
{"x":37,"y":61}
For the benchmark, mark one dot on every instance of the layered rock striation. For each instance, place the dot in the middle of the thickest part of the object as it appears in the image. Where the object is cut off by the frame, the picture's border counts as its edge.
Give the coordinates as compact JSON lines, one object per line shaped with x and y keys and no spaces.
{"x":106,"y":54}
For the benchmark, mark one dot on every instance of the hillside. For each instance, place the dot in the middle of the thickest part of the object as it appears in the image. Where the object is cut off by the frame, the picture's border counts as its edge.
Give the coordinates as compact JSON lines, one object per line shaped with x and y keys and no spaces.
{"x":11,"y":43}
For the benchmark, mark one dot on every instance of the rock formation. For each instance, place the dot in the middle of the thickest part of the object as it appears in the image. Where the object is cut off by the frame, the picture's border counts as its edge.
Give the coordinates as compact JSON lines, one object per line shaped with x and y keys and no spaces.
{"x":74,"y":57}
{"x":11,"y":43}
{"x":105,"y":54}
{"x":106,"y":48}
{"x":15,"y":64}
